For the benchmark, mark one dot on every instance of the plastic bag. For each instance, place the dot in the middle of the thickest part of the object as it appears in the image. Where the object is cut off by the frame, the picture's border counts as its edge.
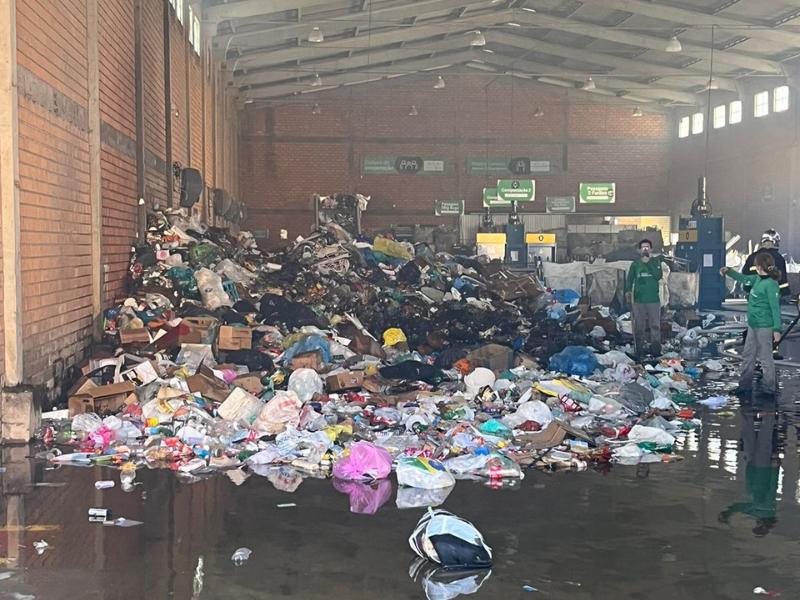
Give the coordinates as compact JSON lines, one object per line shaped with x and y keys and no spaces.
{"x":88,"y":422}
{"x":305,"y":383}
{"x":393,"y":336}
{"x":477,"y":380}
{"x":566,"y":296}
{"x":364,"y":462}
{"x":575,"y":360}
{"x":234,"y":272}
{"x":240,"y":405}
{"x":641,"y":433}
{"x":280,"y":413}
{"x":408,"y":497}
{"x":533,"y":410}
{"x":203,"y":254}
{"x":420,"y":472}
{"x":183,"y":280}
{"x":496,"y":428}
{"x":392,"y":248}
{"x":635,"y":397}
{"x":211,"y":290}
{"x":309,"y":343}
{"x":191,"y":355}
{"x":613,"y":358}
{"x":451,"y":541}
{"x":365,"y":498}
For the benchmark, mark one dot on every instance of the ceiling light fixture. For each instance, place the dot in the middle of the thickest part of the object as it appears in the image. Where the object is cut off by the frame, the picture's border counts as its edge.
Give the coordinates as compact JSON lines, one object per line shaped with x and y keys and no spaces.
{"x":316,"y":37}
{"x":317,"y":80}
{"x":589,"y":84}
{"x":674,"y":45}
{"x":637,"y":112}
{"x":413,"y":112}
{"x":478,"y":39}
{"x":440,"y":84}
{"x":538,"y":112}
{"x":316,"y":110}
{"x":712,"y":85}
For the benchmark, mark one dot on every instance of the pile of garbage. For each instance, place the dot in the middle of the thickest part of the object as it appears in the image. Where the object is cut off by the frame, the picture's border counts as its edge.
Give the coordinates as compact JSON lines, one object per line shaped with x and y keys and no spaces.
{"x":351,"y":358}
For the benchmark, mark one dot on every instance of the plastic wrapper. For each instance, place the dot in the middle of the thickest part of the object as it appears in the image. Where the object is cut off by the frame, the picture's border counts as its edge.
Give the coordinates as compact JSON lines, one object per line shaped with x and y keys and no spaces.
{"x":305,"y":383}
{"x":364,"y":462}
{"x":533,"y":410}
{"x":420,"y":472}
{"x":211,"y":290}
{"x":280,"y":413}
{"x":240,"y":405}
{"x":87,"y":422}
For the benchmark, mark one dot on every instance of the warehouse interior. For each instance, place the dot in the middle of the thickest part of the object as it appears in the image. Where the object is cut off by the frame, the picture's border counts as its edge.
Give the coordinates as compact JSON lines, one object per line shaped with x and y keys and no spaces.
{"x":676,"y":122}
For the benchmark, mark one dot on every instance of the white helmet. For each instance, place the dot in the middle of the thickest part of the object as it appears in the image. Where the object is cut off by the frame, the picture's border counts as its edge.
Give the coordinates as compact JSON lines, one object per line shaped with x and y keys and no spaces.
{"x":770,"y":235}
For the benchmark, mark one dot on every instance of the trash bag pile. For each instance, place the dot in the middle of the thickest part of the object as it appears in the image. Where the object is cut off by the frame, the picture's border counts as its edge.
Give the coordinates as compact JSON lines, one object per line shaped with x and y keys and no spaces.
{"x":352,"y":358}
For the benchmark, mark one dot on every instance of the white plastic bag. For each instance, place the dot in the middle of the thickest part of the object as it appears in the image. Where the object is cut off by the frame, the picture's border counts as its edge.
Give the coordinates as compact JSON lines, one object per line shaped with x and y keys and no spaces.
{"x":305,"y":383}
{"x":420,"y":472}
{"x":641,"y":433}
{"x":211,"y":290}
{"x":533,"y":410}
{"x":477,"y":380}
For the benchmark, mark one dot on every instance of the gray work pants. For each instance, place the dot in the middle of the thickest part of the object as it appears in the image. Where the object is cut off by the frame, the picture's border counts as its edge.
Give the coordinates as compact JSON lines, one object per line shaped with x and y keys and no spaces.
{"x":758,"y":348}
{"x":647,"y":327}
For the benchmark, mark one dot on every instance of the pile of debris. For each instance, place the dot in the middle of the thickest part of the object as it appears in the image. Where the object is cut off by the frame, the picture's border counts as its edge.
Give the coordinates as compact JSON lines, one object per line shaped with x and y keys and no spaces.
{"x":354,"y":357}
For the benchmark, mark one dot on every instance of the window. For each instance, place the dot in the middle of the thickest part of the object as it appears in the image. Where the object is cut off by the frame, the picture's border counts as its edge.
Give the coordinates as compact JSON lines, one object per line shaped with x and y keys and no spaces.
{"x":697,"y":123}
{"x":191,"y":28}
{"x":718,"y":116}
{"x":683,"y":127}
{"x":735,"y":112}
{"x":780,"y":99}
{"x":761,"y":104}
{"x":179,"y":10}
{"x":196,"y":34}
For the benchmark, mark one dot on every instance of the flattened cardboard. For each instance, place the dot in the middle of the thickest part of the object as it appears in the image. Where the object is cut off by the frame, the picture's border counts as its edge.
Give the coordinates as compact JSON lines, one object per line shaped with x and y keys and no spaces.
{"x":101,"y":399}
{"x":250,"y":382}
{"x":235,"y":338}
{"x":308,"y":360}
{"x":134,"y":336}
{"x":347,"y":380}
{"x":207,"y":385}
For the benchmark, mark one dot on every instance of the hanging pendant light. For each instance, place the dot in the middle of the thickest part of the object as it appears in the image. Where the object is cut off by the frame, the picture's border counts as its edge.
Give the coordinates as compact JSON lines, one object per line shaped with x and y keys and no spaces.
{"x":316,"y":110}
{"x":478,"y":39}
{"x":316,"y":37}
{"x":413,"y":112}
{"x":440,"y":84}
{"x":637,"y":112}
{"x":674,"y":45}
{"x":589,"y":84}
{"x":317,"y":82}
{"x":538,"y":112}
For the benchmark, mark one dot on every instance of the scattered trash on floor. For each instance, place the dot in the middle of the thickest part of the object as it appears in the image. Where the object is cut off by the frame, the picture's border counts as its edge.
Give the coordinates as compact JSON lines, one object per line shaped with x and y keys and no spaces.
{"x":40,"y":547}
{"x":241,"y":556}
{"x":450,"y":541}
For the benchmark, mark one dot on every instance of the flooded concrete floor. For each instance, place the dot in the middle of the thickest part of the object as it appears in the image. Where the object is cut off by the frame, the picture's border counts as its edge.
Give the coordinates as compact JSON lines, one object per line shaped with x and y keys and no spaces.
{"x":717,"y":525}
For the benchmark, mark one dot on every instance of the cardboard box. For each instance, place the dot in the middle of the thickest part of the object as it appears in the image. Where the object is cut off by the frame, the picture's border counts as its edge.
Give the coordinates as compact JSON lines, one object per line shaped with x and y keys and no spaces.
{"x":134,"y":336}
{"x":235,"y":338}
{"x":197,"y":330}
{"x":344,"y":381}
{"x":101,"y":399}
{"x":251,"y":382}
{"x":308,"y":360}
{"x":207,"y":385}
{"x":492,"y":356}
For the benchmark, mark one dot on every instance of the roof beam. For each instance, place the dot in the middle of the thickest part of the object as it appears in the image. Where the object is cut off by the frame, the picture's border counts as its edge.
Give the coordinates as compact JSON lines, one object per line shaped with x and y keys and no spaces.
{"x":541,"y":70}
{"x":721,"y":57}
{"x":356,"y":77}
{"x":379,"y":17}
{"x":687,"y":77}
{"x":245,"y":9}
{"x":693,"y":17}
{"x":266,"y":58}
{"x":357,"y":61}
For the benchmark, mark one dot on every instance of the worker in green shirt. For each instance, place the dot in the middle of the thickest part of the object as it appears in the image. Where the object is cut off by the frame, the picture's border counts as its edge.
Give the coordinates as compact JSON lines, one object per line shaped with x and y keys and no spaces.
{"x":641,"y":291}
{"x":763,"y":323}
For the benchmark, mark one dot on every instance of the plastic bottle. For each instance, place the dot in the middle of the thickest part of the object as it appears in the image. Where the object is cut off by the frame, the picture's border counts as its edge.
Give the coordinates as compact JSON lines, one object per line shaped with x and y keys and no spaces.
{"x":127,"y":476}
{"x":104,"y":484}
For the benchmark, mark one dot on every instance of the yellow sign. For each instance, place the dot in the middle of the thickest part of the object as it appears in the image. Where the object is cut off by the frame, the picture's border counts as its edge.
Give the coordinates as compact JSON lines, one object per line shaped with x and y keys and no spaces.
{"x":540,"y":239}
{"x":491,"y":238}
{"x":687,"y":235}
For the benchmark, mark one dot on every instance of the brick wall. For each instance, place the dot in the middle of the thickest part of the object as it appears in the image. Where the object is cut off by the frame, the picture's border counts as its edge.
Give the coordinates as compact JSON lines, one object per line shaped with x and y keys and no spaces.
{"x":54,"y":154}
{"x":288,"y":154}
{"x":753,"y":172}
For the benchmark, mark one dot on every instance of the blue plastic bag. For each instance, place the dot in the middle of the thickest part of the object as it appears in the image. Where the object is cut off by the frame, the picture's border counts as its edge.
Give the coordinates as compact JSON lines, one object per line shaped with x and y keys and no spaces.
{"x":566,"y":296}
{"x":574,"y":360}
{"x":556,"y":312}
{"x":309,"y":344}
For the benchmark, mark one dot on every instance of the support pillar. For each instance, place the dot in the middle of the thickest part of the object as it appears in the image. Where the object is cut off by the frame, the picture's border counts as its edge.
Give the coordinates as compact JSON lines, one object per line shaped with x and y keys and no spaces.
{"x":95,"y":174}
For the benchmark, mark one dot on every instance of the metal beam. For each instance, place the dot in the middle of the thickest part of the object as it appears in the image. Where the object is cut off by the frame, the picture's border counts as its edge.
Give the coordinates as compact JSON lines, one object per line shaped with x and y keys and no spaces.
{"x":356,"y":77}
{"x":266,"y":58}
{"x":358,"y":61}
{"x":379,"y":17}
{"x":244,"y":9}
{"x":721,"y":57}
{"x":687,"y":77}
{"x":619,"y":85}
{"x":693,"y":17}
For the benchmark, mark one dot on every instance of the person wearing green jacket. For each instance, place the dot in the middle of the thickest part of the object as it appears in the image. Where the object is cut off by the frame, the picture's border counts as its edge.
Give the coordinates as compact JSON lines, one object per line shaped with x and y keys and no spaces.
{"x":763,"y":322}
{"x":641,"y":291}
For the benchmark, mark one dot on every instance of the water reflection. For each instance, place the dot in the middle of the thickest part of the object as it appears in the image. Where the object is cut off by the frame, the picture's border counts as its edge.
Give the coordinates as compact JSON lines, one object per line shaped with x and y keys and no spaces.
{"x":439,"y":583}
{"x":365,"y":498}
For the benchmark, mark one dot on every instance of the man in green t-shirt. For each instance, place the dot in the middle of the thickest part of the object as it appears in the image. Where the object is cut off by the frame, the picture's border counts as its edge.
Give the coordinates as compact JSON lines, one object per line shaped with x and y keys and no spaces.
{"x":641,"y":291}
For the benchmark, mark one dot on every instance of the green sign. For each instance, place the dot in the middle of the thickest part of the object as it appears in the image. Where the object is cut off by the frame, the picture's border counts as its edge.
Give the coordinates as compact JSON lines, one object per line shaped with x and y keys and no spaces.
{"x":490,"y":198}
{"x":449,"y":207}
{"x":516,"y":190}
{"x":401,"y":165}
{"x":503,"y":166}
{"x":560,"y":204}
{"x":598,"y":193}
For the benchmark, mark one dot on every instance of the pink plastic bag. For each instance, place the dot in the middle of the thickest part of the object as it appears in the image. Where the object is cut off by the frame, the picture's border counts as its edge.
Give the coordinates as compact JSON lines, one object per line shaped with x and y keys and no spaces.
{"x":364,"y":462}
{"x":365,"y":498}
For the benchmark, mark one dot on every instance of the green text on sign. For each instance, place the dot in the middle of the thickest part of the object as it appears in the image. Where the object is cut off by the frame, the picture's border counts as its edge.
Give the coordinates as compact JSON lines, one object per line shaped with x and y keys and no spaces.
{"x":560,"y":204}
{"x":449,"y":207}
{"x":516,"y":190}
{"x":598,"y":193}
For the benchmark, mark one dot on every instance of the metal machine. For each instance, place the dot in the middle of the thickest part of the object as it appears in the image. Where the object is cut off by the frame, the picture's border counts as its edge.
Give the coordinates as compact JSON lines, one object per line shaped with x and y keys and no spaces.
{"x":342,"y":209}
{"x":701,"y":243}
{"x":515,"y":240}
